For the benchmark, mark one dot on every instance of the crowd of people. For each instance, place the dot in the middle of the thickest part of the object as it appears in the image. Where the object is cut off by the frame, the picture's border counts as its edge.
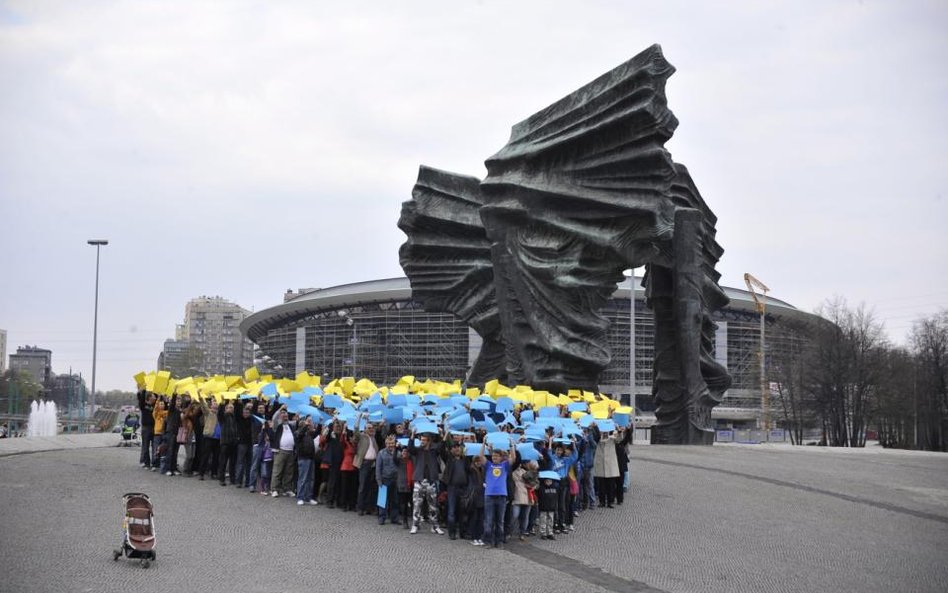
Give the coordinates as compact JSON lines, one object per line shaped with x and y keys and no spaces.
{"x":454,"y":480}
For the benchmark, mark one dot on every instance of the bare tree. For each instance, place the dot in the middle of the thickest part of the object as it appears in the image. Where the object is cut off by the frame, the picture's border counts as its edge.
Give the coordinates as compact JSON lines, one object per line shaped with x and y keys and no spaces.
{"x":789,"y":371}
{"x":894,"y":413}
{"x":846,"y":371}
{"x":929,"y":340}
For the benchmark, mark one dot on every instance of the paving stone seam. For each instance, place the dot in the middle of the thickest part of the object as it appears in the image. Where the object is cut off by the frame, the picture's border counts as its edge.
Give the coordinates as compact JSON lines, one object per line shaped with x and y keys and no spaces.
{"x":579,"y":570}
{"x":849,"y":498}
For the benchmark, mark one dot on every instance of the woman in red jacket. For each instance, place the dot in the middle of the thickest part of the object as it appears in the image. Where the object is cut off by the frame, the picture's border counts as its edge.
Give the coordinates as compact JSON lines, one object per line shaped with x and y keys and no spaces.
{"x":349,"y":475}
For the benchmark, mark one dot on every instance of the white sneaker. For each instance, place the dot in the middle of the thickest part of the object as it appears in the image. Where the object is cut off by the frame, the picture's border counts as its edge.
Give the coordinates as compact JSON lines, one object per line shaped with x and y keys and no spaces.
{"x":314,"y":502}
{"x":275,"y":494}
{"x":437,"y":530}
{"x":299,"y":503}
{"x":414,"y":529}
{"x":569,"y":527}
{"x":480,"y":542}
{"x":169,"y":474}
{"x":474,"y":542}
{"x":290,"y":493}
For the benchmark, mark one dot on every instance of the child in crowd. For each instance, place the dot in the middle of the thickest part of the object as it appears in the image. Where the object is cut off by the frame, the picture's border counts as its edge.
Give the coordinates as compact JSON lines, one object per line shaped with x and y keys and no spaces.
{"x":548,"y":497}
{"x":405,"y":487}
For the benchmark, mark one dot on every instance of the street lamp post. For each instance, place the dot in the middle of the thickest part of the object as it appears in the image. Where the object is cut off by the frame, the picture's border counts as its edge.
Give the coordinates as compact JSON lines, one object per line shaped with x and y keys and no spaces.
{"x":95,"y":323}
{"x":354,"y":340}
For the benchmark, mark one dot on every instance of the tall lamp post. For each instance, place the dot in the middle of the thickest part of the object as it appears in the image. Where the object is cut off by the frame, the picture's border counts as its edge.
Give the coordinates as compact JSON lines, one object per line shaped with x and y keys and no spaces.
{"x":631,"y":273}
{"x":354,"y":340}
{"x":95,"y":324}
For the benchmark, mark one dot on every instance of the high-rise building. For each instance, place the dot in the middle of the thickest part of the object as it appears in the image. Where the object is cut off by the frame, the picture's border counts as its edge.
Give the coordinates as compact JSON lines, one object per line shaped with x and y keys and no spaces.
{"x":38,"y":362}
{"x":180,"y":358}
{"x":3,"y":351}
{"x":209,"y":341}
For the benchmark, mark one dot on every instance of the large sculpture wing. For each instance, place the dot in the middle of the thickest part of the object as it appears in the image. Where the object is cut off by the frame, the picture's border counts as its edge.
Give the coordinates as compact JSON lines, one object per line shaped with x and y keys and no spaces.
{"x":447,"y":259}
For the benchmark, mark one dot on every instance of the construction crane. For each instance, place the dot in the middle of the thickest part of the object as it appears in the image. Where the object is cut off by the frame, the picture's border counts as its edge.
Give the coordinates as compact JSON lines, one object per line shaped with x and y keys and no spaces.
{"x":753,"y":283}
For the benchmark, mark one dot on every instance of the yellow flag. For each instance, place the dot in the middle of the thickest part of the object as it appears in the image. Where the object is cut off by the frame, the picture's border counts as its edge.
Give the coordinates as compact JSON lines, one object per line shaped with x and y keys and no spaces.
{"x":251,"y":374}
{"x":140,"y":380}
{"x":161,"y":381}
{"x":600,"y":410}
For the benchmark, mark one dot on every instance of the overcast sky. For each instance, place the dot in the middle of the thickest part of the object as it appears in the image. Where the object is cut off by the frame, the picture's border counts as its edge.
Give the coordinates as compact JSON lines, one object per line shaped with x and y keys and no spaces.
{"x":243,"y":148}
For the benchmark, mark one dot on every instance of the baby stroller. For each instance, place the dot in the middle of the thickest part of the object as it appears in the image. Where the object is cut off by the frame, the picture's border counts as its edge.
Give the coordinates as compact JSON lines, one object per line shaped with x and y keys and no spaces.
{"x":138,"y":537}
{"x":130,"y":431}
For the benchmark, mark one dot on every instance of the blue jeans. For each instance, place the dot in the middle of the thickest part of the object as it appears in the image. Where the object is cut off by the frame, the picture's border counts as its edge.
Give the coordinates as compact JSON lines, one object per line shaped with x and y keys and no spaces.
{"x":589,"y":486}
{"x":391,"y":503}
{"x":255,"y":463}
{"x":304,"y":486}
{"x":520,"y":519}
{"x":495,"y":507}
{"x":155,"y":445}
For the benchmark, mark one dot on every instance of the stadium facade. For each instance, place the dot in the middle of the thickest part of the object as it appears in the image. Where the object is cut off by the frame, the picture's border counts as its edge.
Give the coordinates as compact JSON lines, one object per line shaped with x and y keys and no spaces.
{"x":375,"y":330}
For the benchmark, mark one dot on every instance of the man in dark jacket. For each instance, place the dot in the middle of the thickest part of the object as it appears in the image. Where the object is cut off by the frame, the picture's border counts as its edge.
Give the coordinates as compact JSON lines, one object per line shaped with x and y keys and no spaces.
{"x":146,"y":403}
{"x":427,"y":469}
{"x":307,"y":442}
{"x":228,"y":458}
{"x":245,"y":441}
{"x":332,"y":457}
{"x":169,"y":465}
{"x":454,"y":478}
{"x":386,"y":475}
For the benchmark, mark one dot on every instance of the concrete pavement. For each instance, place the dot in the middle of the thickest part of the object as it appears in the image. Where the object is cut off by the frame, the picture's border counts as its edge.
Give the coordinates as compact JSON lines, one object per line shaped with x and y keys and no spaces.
{"x":699,"y":519}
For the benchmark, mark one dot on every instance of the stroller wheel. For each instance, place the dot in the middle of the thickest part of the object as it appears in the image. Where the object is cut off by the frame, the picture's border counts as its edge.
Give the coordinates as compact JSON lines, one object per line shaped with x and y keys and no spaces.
{"x":146,"y":563}
{"x":116,"y":554}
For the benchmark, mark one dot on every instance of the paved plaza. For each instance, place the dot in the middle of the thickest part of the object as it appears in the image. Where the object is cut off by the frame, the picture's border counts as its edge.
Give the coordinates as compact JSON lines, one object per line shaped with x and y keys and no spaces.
{"x":699,"y":519}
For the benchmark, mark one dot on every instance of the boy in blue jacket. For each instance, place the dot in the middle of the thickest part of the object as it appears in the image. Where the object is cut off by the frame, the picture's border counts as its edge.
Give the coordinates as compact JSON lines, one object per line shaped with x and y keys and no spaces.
{"x":560,"y":462}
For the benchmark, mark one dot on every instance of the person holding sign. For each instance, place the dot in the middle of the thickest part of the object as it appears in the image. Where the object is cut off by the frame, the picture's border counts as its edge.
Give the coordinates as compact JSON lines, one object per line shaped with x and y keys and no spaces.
{"x":495,"y":493}
{"x":561,"y":462}
{"x":284,"y":447}
{"x":307,"y":443}
{"x":427,"y":466}
{"x":605,"y":466}
{"x":386,"y":475}
{"x":367,"y":444}
{"x":454,"y":477}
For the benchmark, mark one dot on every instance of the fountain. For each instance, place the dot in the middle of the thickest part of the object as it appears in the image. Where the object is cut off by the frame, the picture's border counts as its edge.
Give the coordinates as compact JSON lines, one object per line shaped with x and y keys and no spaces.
{"x":42,"y":421}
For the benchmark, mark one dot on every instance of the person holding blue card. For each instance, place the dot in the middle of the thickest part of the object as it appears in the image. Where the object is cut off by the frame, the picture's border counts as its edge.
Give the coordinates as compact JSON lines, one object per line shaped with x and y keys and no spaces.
{"x":454,"y":477}
{"x":427,"y":467}
{"x":386,"y":474}
{"x":561,"y":460}
{"x":495,"y":493}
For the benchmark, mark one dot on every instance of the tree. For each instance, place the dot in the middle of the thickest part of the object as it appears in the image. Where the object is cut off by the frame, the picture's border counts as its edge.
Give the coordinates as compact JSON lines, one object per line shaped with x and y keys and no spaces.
{"x":17,"y":387}
{"x":116,"y":398}
{"x":929,"y":340}
{"x":894,"y":413}
{"x":789,"y":369}
{"x":846,"y":371}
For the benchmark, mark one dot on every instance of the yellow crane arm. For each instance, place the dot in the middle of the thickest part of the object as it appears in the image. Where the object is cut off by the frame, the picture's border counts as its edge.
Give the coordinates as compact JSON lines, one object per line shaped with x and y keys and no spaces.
{"x":751,"y":284}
